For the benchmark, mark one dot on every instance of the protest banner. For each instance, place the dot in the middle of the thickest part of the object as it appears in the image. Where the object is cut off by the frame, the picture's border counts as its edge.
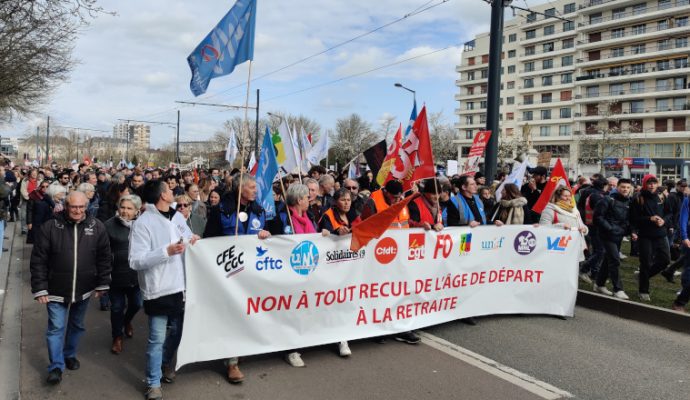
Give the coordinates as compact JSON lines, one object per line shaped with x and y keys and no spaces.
{"x":471,"y":165}
{"x":247,"y":296}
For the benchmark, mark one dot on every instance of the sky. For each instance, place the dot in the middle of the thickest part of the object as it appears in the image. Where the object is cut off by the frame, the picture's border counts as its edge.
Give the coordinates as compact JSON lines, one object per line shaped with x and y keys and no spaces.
{"x":134,"y":65}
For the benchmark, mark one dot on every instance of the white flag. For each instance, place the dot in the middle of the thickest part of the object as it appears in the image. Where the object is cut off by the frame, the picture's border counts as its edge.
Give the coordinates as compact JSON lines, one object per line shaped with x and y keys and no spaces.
{"x":232,"y":150}
{"x":306,"y":148}
{"x":353,"y":171}
{"x":515,"y":177}
{"x":320,"y":150}
{"x":285,"y":148}
{"x":252,"y":162}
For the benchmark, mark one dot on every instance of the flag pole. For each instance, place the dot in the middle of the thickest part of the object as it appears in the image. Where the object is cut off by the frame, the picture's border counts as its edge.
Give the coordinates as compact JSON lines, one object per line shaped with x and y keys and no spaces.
{"x":287,"y":209}
{"x":245,"y":132}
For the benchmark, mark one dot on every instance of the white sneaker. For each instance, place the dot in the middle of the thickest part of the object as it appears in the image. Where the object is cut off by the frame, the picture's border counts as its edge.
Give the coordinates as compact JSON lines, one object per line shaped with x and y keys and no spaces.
{"x":344,"y":349}
{"x":645,"y":297}
{"x":625,"y":239}
{"x":602,"y":290}
{"x":295,"y":359}
{"x":585,"y":277}
{"x":621,"y":295}
{"x":676,"y":274}
{"x":622,"y":256}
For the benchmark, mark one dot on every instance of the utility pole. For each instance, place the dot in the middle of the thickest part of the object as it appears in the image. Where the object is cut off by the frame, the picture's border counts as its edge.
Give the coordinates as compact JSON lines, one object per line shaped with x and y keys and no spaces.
{"x":47,"y":140}
{"x":256,"y":137}
{"x":177,"y":141}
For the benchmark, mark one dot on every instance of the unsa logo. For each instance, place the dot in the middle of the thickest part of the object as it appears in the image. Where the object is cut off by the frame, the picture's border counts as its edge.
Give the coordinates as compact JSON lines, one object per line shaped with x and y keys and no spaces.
{"x":304,"y":258}
{"x":386,"y":250}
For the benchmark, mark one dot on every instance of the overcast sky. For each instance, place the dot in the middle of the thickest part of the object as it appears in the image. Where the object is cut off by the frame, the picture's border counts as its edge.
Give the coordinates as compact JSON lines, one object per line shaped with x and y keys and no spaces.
{"x":133,"y":65}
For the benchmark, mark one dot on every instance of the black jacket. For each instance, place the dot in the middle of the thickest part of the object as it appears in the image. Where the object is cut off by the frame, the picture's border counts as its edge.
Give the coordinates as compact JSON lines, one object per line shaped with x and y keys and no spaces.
{"x":642,"y":208}
{"x":611,"y":216}
{"x":595,"y":196}
{"x":118,"y":234}
{"x":56,"y":272}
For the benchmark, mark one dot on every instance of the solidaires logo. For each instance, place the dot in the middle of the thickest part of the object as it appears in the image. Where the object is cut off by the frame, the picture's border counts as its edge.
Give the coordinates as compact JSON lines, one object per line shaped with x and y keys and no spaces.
{"x":304,"y":258}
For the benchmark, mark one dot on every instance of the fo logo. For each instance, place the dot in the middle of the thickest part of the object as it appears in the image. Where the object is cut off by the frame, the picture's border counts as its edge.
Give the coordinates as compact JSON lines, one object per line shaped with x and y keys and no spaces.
{"x":444,"y":245}
{"x":304,"y":258}
{"x":525,"y":243}
{"x":386,"y":250}
{"x":416,"y":247}
{"x":465,"y":243}
{"x":558,"y":243}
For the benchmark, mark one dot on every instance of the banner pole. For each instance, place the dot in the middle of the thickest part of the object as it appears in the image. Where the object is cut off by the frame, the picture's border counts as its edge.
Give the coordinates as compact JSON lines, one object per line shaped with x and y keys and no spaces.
{"x":287,"y":209}
{"x":245,"y":132}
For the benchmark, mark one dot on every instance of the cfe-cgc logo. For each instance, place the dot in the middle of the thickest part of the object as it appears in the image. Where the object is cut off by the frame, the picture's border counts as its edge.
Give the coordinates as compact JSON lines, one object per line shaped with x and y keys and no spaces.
{"x":525,"y":243}
{"x":304,"y":258}
{"x":231,"y":260}
{"x":266,"y":263}
{"x":444,"y":244}
{"x":416,"y":247}
{"x":386,"y":250}
{"x":465,"y":243}
{"x":558,"y":243}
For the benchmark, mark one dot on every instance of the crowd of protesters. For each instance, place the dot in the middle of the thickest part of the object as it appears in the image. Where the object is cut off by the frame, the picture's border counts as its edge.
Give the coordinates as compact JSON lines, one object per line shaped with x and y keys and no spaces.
{"x":108,"y":233}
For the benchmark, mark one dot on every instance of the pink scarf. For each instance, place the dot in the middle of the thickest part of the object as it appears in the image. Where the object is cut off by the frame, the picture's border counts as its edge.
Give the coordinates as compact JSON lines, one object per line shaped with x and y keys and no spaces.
{"x":302,"y":223}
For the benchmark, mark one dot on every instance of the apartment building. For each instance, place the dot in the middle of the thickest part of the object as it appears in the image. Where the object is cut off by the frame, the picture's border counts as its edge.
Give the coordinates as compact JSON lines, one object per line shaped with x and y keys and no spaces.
{"x":138,"y":135}
{"x":615,"y":73}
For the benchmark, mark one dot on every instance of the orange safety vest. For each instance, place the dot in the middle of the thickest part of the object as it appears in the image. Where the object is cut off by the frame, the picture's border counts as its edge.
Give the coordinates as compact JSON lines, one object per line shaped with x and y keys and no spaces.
{"x":331,"y":216}
{"x":402,"y":221}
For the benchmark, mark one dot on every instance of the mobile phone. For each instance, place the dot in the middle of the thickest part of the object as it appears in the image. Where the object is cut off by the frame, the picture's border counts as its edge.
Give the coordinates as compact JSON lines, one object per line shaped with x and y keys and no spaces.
{"x":181,"y":240}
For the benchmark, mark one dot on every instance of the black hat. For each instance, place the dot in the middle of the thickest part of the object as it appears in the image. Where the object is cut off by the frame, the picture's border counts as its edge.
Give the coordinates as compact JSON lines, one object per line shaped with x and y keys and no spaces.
{"x":429,"y":186}
{"x":539,"y":171}
{"x":394,"y":187}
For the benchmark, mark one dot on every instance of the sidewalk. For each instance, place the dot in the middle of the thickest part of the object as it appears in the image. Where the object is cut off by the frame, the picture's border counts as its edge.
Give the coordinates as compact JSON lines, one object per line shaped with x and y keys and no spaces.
{"x":389,"y":371}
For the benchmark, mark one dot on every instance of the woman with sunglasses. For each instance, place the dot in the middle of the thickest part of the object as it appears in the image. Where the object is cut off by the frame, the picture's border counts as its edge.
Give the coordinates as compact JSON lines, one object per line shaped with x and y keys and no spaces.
{"x":194,"y":221}
{"x":39,"y":209}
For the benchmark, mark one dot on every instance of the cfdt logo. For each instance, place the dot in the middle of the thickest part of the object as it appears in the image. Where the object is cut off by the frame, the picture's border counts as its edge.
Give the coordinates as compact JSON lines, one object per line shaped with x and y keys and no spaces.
{"x":232,"y":261}
{"x":558,"y":243}
{"x":525,"y":243}
{"x":416,"y":247}
{"x":304,"y":258}
{"x":444,"y":245}
{"x":465,"y":243}
{"x":494,"y":244}
{"x":266,"y":263}
{"x":386,"y":250}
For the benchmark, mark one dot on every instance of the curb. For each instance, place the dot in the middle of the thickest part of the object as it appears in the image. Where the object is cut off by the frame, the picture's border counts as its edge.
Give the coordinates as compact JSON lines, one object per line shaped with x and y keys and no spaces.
{"x":10,"y":314}
{"x":652,"y":315}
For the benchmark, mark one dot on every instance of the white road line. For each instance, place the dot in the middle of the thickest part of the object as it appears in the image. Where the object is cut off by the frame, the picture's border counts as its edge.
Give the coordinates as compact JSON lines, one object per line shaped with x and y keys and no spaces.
{"x":529,"y":383}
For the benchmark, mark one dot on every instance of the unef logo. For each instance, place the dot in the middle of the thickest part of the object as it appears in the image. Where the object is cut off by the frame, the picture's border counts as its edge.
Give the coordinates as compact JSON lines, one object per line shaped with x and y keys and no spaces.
{"x":266,"y":263}
{"x":494,"y":244}
{"x":416,"y":247}
{"x":465,"y":243}
{"x":304,"y":258}
{"x":444,"y":244}
{"x":558,"y":243}
{"x":386,"y":250}
{"x":231,"y":260}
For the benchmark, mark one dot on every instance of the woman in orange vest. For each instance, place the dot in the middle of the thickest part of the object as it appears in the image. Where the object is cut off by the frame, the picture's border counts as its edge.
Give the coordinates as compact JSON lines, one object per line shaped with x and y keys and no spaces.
{"x":340,"y":218}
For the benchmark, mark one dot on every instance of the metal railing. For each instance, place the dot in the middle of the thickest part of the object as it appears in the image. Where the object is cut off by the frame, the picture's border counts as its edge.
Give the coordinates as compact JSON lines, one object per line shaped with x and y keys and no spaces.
{"x":646,"y":10}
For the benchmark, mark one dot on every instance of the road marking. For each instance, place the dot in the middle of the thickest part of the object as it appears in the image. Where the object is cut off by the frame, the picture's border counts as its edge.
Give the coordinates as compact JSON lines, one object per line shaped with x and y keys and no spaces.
{"x":529,"y":383}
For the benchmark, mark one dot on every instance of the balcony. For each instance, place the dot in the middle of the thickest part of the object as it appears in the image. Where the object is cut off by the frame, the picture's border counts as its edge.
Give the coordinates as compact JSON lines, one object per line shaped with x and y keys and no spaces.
{"x":649,"y":71}
{"x":628,"y":56}
{"x":643,"y":92}
{"x":636,"y":112}
{"x":540,"y":37}
{"x":630,"y":35}
{"x":633,"y":15}
{"x":549,"y":104}
{"x":548,"y":71}
{"x":557,"y":51}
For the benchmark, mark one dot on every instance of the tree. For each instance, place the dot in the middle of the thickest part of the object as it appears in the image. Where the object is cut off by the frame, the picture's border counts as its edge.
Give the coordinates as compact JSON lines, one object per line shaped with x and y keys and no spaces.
{"x":387,"y":126}
{"x":352,"y":136}
{"x":604,"y":138}
{"x":442,"y":136}
{"x":36,"y":42}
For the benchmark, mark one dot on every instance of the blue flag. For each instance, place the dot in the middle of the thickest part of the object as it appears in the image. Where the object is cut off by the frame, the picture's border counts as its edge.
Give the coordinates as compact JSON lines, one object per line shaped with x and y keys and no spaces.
{"x":229,"y":44}
{"x":413,"y":117}
{"x":265,"y":173}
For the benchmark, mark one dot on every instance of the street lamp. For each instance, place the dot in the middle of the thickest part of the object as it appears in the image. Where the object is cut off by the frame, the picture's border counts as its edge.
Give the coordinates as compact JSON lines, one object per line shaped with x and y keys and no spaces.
{"x":414,"y":94}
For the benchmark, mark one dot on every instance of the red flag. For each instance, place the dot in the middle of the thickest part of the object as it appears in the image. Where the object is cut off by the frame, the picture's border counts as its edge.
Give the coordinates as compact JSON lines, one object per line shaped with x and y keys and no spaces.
{"x":374,"y":226}
{"x":415,"y":159}
{"x":384,"y":174}
{"x":309,"y":138}
{"x":471,"y":165}
{"x":558,"y":178}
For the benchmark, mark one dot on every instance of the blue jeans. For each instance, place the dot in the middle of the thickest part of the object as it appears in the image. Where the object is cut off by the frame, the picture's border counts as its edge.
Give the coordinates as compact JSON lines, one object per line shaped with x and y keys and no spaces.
{"x":2,"y":236}
{"x":161,"y":347}
{"x":65,"y":328}
{"x":684,"y":295}
{"x":122,"y":299}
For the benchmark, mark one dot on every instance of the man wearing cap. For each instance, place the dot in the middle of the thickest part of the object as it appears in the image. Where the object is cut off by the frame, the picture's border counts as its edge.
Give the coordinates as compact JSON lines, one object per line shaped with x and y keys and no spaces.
{"x":385,"y":197}
{"x":532,"y":191}
{"x":649,"y":217}
{"x":425,"y":211}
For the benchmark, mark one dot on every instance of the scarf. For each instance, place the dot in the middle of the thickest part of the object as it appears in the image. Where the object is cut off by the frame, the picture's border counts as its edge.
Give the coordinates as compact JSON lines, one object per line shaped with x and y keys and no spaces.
{"x":302,"y":223}
{"x":125,"y":222}
{"x":566,"y":205}
{"x":512,"y":211}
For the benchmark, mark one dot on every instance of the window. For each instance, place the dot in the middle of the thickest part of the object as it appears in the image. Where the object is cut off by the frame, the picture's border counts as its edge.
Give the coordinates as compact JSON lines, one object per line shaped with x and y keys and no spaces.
{"x":595,"y":18}
{"x":616,"y":71}
{"x":547,"y":80}
{"x":637,"y":68}
{"x":547,"y":64}
{"x":546,"y":97}
{"x":527,"y":115}
{"x":531,"y":17}
{"x":564,"y":130}
{"x":661,"y":25}
{"x":568,"y":43}
{"x":635,"y":126}
{"x":568,"y":26}
{"x":592,"y":128}
{"x":470,"y":76}
{"x":564,"y":113}
{"x":637,"y":106}
{"x":594,"y":55}
{"x":512,"y":37}
{"x":469,"y":105}
{"x":663,"y":150}
{"x":663,"y":84}
{"x":509,"y":131}
{"x":465,"y":150}
{"x":682,"y":21}
{"x":512,"y":53}
{"x":484,"y":73}
{"x":510,"y":116}
{"x":482,"y":104}
{"x":470,"y":90}
{"x":592,"y":91}
{"x":482,"y":118}
{"x":679,"y":124}
{"x":618,"y":13}
{"x":618,"y":33}
{"x":664,"y":44}
{"x":468,"y":135}
{"x":639,"y":8}
{"x":483,"y":89}
{"x":566,"y":61}
{"x":681,"y":42}
{"x":529,"y":66}
{"x":528,"y":99}
{"x":679,"y":104}
{"x":545,"y":131}
{"x":547,"y":47}
{"x":530,"y":34}
{"x":638,"y":48}
{"x":529,"y":83}
{"x":551,"y":12}
{"x":510,"y":100}
{"x":639,"y":29}
{"x":529,"y":51}
{"x":618,"y":52}
{"x":679,"y":83}
{"x":594,"y":37}
{"x":569,"y":8}
{"x":469,"y":119}
{"x":470,"y":61}
{"x":616,"y":89}
{"x":680,"y":63}
{"x":566,"y":95}
{"x":661,"y":125}
{"x":592,"y":109}
{"x":511,"y":69}
{"x":511,"y":85}
{"x":664,"y":4}
{"x":549,"y":30}
{"x":567,"y":78}
{"x":485,"y":58}
{"x":545,"y":114}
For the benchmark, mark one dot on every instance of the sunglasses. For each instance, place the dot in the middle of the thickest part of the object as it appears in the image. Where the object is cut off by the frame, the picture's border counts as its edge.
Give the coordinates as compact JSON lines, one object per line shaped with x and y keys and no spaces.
{"x":182,"y":205}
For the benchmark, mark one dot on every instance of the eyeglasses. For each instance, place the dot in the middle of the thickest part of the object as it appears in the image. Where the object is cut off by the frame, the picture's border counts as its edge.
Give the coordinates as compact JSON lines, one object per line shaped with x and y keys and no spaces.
{"x":351,"y":187}
{"x":78,"y":208}
{"x":182,"y":205}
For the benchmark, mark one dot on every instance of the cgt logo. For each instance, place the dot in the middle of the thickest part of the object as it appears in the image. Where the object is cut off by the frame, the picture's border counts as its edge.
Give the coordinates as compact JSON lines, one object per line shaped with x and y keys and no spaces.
{"x":304,"y":258}
{"x":558,"y":243}
{"x":465,"y":243}
{"x":266,"y":263}
{"x":416,"y":247}
{"x":231,"y":260}
{"x":444,"y":244}
{"x":386,"y":250}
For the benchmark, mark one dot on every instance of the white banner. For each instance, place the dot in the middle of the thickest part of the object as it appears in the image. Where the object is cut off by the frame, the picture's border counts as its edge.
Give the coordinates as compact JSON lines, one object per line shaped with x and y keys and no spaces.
{"x":247,"y":296}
